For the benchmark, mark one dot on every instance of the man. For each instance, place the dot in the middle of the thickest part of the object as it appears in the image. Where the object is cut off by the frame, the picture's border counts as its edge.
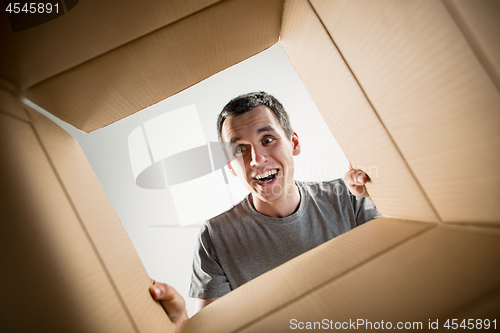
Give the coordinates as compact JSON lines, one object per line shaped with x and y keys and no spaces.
{"x":280,"y":219}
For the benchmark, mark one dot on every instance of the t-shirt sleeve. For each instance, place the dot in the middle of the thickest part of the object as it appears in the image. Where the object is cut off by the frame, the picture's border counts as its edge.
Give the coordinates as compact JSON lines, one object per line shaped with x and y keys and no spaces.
{"x":365,"y":210}
{"x":208,"y":279}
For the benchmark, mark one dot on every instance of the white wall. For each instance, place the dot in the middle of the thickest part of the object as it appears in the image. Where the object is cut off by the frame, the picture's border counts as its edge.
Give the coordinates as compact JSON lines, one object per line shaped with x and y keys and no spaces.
{"x":149,"y":216}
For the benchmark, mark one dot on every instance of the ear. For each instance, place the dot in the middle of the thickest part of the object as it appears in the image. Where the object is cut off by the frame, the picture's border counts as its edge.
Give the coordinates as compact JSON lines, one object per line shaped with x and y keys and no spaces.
{"x":296,"y":144}
{"x":231,"y":171}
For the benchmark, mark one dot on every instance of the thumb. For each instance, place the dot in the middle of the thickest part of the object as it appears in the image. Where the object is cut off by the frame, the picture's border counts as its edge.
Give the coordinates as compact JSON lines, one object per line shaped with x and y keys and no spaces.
{"x":171,"y":301}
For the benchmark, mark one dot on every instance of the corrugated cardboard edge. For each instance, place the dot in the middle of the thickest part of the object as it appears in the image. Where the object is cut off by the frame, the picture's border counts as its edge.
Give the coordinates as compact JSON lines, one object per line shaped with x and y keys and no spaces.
{"x":89,"y":30}
{"x":433,"y":276}
{"x":436,"y":100}
{"x":10,"y":104}
{"x":52,"y":279}
{"x":480,"y":25}
{"x":161,"y":64}
{"x":301,"y":276}
{"x":348,"y":113}
{"x":109,"y":240}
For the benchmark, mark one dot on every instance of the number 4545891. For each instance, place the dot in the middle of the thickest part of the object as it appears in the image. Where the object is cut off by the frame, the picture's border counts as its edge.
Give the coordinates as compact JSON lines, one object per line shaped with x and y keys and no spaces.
{"x":471,"y":324}
{"x":32,"y":8}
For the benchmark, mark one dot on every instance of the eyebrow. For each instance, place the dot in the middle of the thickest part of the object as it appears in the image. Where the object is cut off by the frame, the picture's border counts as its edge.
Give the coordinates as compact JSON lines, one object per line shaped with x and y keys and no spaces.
{"x":266,"y":128}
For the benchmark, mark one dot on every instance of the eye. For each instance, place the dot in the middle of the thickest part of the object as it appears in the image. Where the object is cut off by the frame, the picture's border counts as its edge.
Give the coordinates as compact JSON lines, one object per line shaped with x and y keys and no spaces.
{"x":239,"y":150}
{"x":267,"y":140}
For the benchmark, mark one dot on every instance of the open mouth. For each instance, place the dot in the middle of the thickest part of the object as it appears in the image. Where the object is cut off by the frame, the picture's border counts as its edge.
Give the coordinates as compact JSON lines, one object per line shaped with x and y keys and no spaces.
{"x":267,"y":176}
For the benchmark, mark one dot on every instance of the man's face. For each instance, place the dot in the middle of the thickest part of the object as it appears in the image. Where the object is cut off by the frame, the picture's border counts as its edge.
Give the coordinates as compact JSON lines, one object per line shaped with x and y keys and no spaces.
{"x":263,"y":155}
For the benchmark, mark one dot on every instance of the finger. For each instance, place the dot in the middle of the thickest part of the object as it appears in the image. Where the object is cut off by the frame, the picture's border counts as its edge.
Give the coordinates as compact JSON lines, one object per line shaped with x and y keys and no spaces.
{"x":348,"y":177}
{"x":355,"y":181}
{"x":162,"y":291}
{"x":170,"y":299}
{"x":361,"y":177}
{"x":356,"y":177}
{"x":359,"y":191}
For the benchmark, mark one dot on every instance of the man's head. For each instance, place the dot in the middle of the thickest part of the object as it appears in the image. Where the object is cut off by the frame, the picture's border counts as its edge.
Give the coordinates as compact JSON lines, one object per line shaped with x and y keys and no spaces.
{"x":261,"y":150}
{"x":244,"y":103}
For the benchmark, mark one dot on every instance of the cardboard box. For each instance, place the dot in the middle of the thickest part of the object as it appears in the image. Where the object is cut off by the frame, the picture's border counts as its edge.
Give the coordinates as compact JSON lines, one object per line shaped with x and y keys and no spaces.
{"x":409,"y":86}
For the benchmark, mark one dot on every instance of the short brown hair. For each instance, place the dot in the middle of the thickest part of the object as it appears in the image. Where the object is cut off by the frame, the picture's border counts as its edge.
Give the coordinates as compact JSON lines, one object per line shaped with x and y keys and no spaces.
{"x":250,"y":101}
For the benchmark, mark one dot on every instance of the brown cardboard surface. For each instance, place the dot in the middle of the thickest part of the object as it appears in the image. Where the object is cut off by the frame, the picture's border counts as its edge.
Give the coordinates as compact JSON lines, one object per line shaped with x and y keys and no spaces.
{"x":100,"y":221}
{"x":486,"y":306}
{"x":433,"y":95}
{"x":409,"y":97}
{"x":52,"y":277}
{"x":429,"y":277}
{"x":479,"y":23}
{"x":89,"y":30}
{"x":12,"y":105}
{"x":350,"y":116}
{"x":286,"y":284}
{"x":150,"y":69}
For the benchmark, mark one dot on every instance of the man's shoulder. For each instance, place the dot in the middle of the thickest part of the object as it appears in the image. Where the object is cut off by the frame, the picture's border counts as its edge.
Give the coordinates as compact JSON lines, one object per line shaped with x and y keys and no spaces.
{"x":229,"y":215}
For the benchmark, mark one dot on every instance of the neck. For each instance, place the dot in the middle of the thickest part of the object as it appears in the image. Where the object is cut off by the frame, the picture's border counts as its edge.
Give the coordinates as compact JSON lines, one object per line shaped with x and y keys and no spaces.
{"x":283,"y":207}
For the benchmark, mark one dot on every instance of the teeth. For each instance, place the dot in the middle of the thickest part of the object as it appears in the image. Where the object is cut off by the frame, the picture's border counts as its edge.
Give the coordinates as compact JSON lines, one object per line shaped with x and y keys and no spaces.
{"x":266,"y":174}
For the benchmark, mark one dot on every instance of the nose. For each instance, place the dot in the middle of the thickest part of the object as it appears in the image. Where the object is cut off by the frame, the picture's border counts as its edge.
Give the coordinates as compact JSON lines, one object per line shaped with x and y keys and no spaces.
{"x":259,"y":156}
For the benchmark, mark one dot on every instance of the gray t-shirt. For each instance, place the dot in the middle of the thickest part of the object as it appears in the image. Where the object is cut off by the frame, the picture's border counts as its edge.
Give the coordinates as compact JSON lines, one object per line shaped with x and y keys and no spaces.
{"x":241,"y":244}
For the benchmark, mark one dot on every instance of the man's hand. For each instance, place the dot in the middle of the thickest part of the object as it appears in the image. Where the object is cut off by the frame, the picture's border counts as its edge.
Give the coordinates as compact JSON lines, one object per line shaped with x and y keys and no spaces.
{"x":355,"y":181}
{"x":202,"y":302}
{"x":172,"y":302}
